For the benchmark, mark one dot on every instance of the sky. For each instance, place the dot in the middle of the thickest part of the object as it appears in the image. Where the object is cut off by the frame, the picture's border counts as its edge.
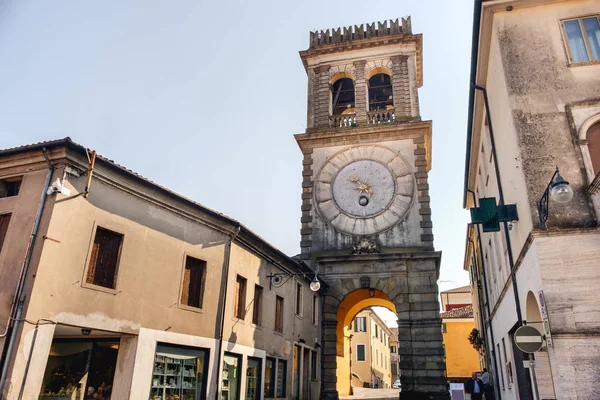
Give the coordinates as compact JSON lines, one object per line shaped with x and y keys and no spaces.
{"x":204,"y":97}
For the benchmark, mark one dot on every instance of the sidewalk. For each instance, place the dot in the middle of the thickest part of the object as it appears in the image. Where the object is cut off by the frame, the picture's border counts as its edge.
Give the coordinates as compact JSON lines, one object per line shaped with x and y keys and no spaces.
{"x":366,"y":393}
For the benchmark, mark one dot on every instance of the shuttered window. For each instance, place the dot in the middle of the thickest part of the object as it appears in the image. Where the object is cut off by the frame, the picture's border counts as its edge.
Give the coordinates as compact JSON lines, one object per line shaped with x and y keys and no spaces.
{"x":279,"y":314}
{"x":192,"y":291}
{"x":360,"y":352}
{"x":4,"y":221}
{"x":240,"y":297}
{"x":257,"y":305}
{"x":104,"y":260}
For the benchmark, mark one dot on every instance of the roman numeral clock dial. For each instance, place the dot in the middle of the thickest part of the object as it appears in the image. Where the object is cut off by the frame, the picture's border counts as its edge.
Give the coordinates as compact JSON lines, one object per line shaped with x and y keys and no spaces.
{"x":363,"y":190}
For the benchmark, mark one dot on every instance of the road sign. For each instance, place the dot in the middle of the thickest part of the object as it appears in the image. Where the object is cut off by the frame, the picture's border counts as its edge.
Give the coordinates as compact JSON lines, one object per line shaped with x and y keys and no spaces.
{"x":528,"y":339}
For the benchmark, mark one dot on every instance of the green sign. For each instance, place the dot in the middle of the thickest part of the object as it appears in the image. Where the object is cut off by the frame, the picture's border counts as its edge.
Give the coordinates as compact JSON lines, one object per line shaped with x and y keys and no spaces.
{"x":489,"y":214}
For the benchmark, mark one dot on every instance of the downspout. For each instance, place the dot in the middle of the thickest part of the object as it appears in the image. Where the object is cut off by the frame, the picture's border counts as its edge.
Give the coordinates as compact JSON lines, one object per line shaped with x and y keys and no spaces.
{"x":224,"y":288}
{"x":14,"y":321}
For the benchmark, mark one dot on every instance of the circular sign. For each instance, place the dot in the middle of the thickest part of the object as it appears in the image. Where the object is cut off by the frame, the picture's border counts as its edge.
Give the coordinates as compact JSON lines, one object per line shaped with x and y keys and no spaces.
{"x":528,"y":339}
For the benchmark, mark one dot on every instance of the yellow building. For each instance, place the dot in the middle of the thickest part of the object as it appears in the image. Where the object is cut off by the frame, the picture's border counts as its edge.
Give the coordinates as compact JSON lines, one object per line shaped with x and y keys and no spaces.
{"x":457,"y":323}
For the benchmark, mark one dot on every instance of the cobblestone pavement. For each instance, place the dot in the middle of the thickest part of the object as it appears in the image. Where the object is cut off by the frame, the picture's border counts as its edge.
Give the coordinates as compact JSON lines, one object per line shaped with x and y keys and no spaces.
{"x":366,"y":393}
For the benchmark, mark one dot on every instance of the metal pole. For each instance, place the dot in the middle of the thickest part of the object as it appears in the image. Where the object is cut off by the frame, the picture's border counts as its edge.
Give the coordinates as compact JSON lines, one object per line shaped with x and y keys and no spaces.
{"x":533,"y":378}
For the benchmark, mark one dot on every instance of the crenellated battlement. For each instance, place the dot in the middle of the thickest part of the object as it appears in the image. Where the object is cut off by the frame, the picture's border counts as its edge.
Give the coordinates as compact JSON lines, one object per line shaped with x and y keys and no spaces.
{"x":359,"y":32}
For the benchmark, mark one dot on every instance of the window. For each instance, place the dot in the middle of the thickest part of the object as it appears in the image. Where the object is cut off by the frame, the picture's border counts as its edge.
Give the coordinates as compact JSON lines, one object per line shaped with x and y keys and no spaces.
{"x":313,"y":365}
{"x":501,"y":369}
{"x":342,"y":96}
{"x":393,"y":349}
{"x":593,"y":135}
{"x":4,"y":221}
{"x":583,"y":38}
{"x":257,"y":305}
{"x":240,"y":297}
{"x":380,"y":92}
{"x":10,"y":186}
{"x":298,"y":299}
{"x":230,"y":376}
{"x":102,"y":269}
{"x":278,"y":314}
{"x":192,"y":290}
{"x":360,"y":324}
{"x":376,"y":357}
{"x":444,"y":327}
{"x":376,"y":331}
{"x":270,"y":377}
{"x":281,"y":376}
{"x":315,"y":305}
{"x":360,"y":352}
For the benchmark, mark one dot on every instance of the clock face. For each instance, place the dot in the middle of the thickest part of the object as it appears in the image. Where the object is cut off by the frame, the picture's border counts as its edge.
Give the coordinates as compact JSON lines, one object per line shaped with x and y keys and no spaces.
{"x":364,"y":190}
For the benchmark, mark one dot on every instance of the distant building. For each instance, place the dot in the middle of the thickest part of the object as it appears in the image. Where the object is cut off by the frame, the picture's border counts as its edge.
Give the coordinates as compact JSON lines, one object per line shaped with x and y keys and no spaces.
{"x":461,"y":358}
{"x":371,"y":361}
{"x":394,"y":355}
{"x":456,"y":298}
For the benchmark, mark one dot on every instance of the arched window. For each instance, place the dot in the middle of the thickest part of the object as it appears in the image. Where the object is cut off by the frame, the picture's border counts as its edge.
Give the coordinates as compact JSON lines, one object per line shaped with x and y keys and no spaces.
{"x":380,"y":92}
{"x":593,"y":135}
{"x":342,"y":97}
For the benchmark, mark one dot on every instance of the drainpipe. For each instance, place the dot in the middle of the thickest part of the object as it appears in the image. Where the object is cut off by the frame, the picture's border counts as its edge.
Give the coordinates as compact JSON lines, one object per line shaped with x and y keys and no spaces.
{"x":14,"y":321}
{"x":224,"y":287}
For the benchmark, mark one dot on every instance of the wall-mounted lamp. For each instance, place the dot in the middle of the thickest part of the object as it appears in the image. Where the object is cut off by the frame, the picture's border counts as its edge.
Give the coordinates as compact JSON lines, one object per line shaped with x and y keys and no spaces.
{"x":280,"y":279}
{"x":85,"y":331}
{"x":559,"y":190}
{"x":371,"y":292}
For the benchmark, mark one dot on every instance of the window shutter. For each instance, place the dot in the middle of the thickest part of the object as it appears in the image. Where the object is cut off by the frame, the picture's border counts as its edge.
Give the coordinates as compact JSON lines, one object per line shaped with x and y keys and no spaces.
{"x":4,"y":221}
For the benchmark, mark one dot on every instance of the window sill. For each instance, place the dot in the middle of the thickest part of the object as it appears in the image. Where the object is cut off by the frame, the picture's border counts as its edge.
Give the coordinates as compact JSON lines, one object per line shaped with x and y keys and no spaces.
{"x":278,"y":333}
{"x":190,"y":308}
{"x":255,"y":326}
{"x":583,"y":64}
{"x":299,"y":316}
{"x":100,"y":288}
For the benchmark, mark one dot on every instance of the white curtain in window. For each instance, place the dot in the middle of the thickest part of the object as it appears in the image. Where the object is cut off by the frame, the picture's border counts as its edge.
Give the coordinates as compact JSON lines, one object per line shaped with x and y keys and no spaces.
{"x":592,"y":29}
{"x":576,"y":42}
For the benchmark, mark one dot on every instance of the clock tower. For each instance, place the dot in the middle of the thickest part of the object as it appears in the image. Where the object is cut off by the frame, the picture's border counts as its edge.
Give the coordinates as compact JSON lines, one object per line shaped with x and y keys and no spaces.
{"x":366,"y":218}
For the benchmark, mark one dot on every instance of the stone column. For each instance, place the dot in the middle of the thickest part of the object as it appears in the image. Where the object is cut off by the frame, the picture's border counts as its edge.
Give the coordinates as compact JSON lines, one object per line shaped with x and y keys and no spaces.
{"x":310,"y":107}
{"x":420,"y":347}
{"x":321,"y":96}
{"x":401,"y":87}
{"x":329,"y":362}
{"x":360,"y":91}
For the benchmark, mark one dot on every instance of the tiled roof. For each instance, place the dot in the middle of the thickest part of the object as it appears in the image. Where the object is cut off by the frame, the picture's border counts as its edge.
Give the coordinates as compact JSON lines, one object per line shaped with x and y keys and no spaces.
{"x":462,"y":289}
{"x":463,"y":312}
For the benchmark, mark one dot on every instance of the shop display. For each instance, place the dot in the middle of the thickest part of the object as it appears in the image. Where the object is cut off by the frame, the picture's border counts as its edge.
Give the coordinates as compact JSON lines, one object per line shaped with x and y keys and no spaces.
{"x":177,"y":374}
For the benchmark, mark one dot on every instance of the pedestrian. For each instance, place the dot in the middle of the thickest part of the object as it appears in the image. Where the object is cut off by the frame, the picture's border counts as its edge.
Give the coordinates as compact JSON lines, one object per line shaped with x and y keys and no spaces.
{"x":474,"y":387}
{"x":488,"y":387}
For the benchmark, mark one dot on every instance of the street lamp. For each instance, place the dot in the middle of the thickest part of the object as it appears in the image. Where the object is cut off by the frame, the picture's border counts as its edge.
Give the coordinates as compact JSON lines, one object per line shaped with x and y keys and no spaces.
{"x":280,"y":279}
{"x":559,"y":190}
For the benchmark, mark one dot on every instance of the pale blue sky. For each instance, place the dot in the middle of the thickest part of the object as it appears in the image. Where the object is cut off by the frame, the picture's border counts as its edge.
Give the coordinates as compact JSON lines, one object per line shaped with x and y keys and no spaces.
{"x":205,"y":97}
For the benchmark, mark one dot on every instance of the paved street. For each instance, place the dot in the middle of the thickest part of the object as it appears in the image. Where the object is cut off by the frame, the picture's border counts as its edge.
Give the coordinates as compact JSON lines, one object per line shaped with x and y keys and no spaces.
{"x":366,"y":393}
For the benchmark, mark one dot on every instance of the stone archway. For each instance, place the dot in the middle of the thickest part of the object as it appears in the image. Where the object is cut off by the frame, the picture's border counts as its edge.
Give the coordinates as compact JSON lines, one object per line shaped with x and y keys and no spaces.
{"x":402,"y":281}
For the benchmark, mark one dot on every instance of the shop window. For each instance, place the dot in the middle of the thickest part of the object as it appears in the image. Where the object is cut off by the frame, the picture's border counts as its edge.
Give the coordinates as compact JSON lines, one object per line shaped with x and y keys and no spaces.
{"x":281,"y":378}
{"x":179,"y":373}
{"x":257,"y":305}
{"x":380,"y":92}
{"x":10,"y":186}
{"x":360,"y":352}
{"x":230,"y":384}
{"x":298,"y":299}
{"x":315,"y":304}
{"x":360,"y":324}
{"x":104,"y":259}
{"x":240,"y":297}
{"x":593,"y":135}
{"x":80,"y":369}
{"x":192,"y":290}
{"x":253,"y":378}
{"x":583,"y":39}
{"x":342,"y":97}
{"x":270,"y":369}
{"x":4,"y":221}
{"x":279,"y":314}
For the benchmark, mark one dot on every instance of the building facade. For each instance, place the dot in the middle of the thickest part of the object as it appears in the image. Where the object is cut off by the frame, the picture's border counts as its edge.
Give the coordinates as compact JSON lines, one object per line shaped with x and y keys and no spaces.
{"x":457,"y":324}
{"x":533,"y":107}
{"x":395,"y":360}
{"x":126,"y":290}
{"x":366,"y":218}
{"x":371,"y":363}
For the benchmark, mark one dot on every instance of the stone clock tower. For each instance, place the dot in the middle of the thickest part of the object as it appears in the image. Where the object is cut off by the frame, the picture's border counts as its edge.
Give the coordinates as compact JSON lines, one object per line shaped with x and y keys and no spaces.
{"x":366,"y":219}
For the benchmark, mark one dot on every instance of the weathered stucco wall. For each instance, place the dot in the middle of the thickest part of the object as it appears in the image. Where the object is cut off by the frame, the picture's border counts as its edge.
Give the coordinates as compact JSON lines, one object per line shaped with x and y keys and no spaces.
{"x":461,"y":358}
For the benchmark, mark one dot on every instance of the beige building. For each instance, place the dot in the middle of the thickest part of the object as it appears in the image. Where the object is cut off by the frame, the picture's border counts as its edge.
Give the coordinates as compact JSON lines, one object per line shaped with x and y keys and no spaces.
{"x":534,"y":106}
{"x":371,"y":364}
{"x":394,"y":355}
{"x":115,"y":287}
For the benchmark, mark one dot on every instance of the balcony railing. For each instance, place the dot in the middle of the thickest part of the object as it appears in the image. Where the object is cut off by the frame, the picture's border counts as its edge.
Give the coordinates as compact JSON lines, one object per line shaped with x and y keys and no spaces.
{"x":342,"y":121}
{"x":381,"y":117}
